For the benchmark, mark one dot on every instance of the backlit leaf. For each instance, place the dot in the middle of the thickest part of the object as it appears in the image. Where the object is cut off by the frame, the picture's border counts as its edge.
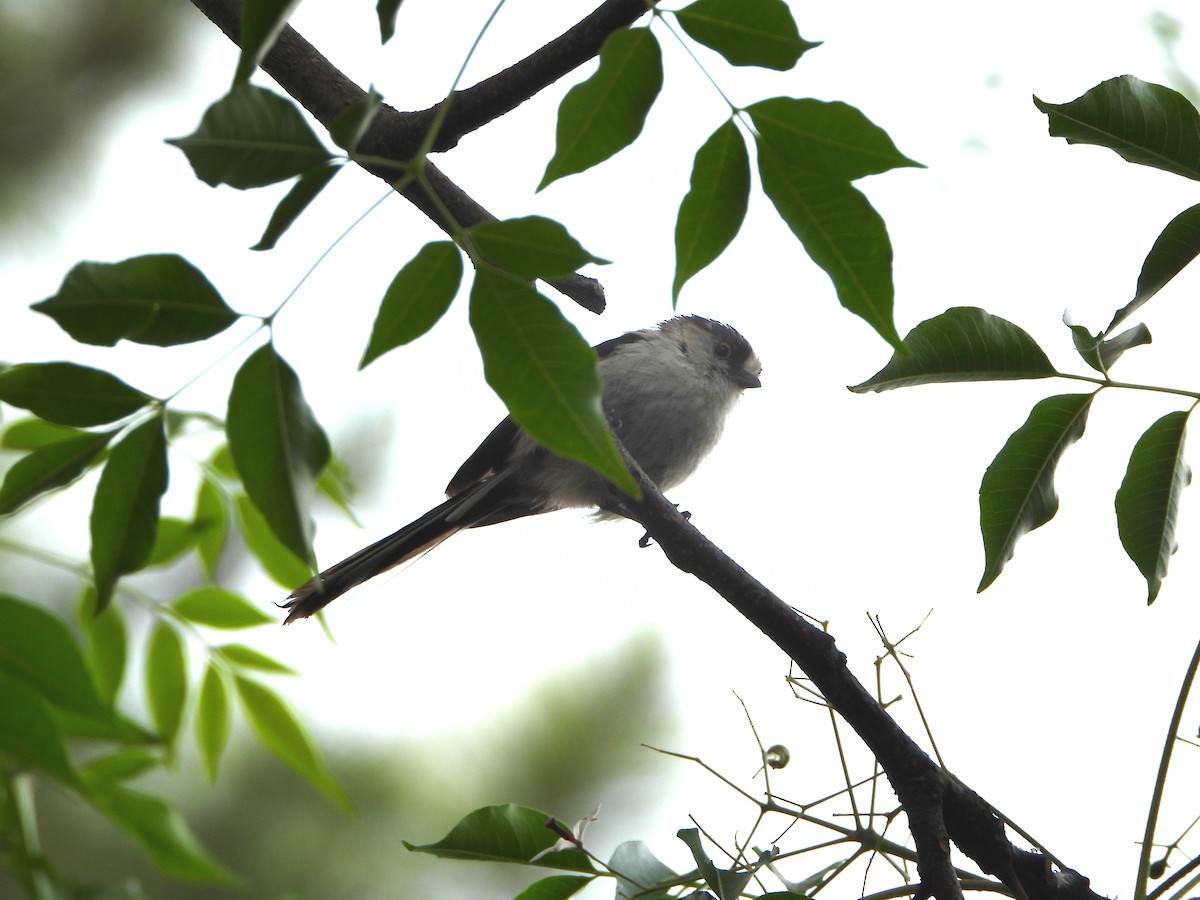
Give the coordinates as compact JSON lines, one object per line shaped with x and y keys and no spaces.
{"x":166,"y":680}
{"x":507,"y":833}
{"x":218,"y":607}
{"x":418,"y":296}
{"x":746,"y":34}
{"x":295,"y":201}
{"x":69,"y":394}
{"x":30,"y":734}
{"x":49,"y":467}
{"x":213,"y":719}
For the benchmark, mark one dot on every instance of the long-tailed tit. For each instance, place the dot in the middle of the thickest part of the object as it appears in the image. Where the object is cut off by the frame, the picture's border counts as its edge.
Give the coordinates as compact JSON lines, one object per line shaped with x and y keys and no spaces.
{"x":667,"y":391}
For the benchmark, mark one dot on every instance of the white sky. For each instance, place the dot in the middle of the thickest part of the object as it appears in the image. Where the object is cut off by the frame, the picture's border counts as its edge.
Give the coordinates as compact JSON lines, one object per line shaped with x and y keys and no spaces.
{"x":1049,"y":693}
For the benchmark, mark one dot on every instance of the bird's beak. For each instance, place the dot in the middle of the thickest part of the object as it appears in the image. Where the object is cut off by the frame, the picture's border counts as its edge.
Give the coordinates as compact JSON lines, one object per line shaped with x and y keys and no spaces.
{"x":749,"y":380}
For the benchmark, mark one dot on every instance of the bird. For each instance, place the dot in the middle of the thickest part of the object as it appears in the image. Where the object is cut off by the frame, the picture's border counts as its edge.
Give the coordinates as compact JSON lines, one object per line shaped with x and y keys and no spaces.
{"x":666,"y":392}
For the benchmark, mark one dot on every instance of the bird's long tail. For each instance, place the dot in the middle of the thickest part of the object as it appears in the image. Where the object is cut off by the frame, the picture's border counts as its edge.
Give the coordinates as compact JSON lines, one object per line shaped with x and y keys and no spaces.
{"x":463,"y":510}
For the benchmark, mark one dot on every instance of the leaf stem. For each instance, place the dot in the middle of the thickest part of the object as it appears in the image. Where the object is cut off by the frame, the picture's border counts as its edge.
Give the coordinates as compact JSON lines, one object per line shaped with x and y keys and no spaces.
{"x":1128,"y":385}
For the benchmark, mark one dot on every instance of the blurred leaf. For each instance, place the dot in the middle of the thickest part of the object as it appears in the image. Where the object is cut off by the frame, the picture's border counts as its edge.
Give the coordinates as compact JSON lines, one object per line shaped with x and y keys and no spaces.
{"x":282,"y":734}
{"x":1177,"y":246}
{"x":210,"y":524}
{"x":1147,"y":502}
{"x":962,"y":344}
{"x":217,"y":607}
{"x":531,"y":247}
{"x":33,"y":434}
{"x":712,"y":212}
{"x":161,"y":832}
{"x":262,"y":20}
{"x":106,"y":639}
{"x":166,"y":680}
{"x":387,"y":10}
{"x":240,"y":655}
{"x":295,"y":201}
{"x":353,"y":121}
{"x":418,"y":296}
{"x":556,"y":887}
{"x":249,"y":138}
{"x":213,"y":719}
{"x":637,"y":868}
{"x":544,"y":371}
{"x":725,"y":882}
{"x":746,"y":34}
{"x":283,"y":567}
{"x":605,"y":113}
{"x":159,"y":299}
{"x":1144,"y":123}
{"x":507,"y":833}
{"x":67,"y":394}
{"x":49,"y":467}
{"x":841,"y":232}
{"x":336,"y":485}
{"x":173,"y":538}
{"x":277,"y":445}
{"x":37,"y":649}
{"x":125,"y":509}
{"x":29,"y":733}
{"x":1017,"y":494}
{"x":121,"y":765}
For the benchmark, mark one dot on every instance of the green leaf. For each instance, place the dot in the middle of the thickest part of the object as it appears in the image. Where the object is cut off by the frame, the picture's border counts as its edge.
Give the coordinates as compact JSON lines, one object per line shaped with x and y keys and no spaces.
{"x":50,"y":467}
{"x":295,"y":201}
{"x":33,"y":434}
{"x":30,"y":734}
{"x":336,"y":485}
{"x":122,"y":765}
{"x":638,"y":869}
{"x":544,"y":371}
{"x":1112,"y":349}
{"x":418,"y":296}
{"x":38,"y":650}
{"x":1177,"y":246}
{"x":173,"y":538}
{"x":217,"y":607}
{"x":712,"y":212}
{"x":962,"y":344}
{"x":507,"y":833}
{"x":282,"y":734}
{"x":124,"y":516}
{"x":161,"y":832}
{"x":1148,"y":500}
{"x":726,"y":883}
{"x":159,"y":299}
{"x":262,"y":20}
{"x":277,"y":445}
{"x":531,"y":247}
{"x":106,"y":639}
{"x":1099,"y":353}
{"x":281,"y":564}
{"x":68,"y":394}
{"x":556,"y":887}
{"x":811,"y":137}
{"x":249,"y":138}
{"x":1017,"y":494}
{"x":746,"y":34}
{"x":241,"y":656}
{"x":1144,"y":123}
{"x":841,"y":232}
{"x":213,"y":719}
{"x":166,"y":680}
{"x":353,"y":121}
{"x":387,"y":10}
{"x":210,"y":524}
{"x":605,"y":113}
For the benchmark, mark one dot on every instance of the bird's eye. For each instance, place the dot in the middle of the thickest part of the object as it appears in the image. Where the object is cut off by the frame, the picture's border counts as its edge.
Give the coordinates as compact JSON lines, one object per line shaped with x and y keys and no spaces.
{"x":722,"y":350}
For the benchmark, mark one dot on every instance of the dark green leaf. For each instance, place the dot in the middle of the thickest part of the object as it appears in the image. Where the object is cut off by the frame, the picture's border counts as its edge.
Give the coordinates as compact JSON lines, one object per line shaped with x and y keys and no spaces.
{"x":159,"y":299}
{"x":107,"y":641}
{"x":712,"y":212}
{"x":161,"y":832}
{"x":556,"y":887}
{"x":38,"y":650}
{"x":637,"y":868}
{"x":353,"y":121}
{"x":284,"y":567}
{"x":418,"y":296}
{"x":33,"y":434}
{"x":531,"y":247}
{"x":1111,"y":350}
{"x":174,"y":538}
{"x":544,"y":371}
{"x":1177,"y":246}
{"x":606,"y":112}
{"x":962,"y":344}
{"x":262,"y":20}
{"x":1017,"y":494}
{"x":295,"y":201}
{"x":725,"y":882}
{"x":1087,"y":345}
{"x":213,"y":719}
{"x":387,"y":10}
{"x":507,"y":833}
{"x":251,"y":138}
{"x":1148,"y":499}
{"x":122,"y":765}
{"x":282,"y":734}
{"x":842,"y":233}
{"x":210,"y":524}
{"x":166,"y":680}
{"x":241,"y":656}
{"x":125,"y":509}
{"x":217,"y":607}
{"x":1144,"y":123}
{"x":67,"y":394}
{"x":50,"y":467}
{"x":29,"y":733}
{"x":746,"y":34}
{"x":277,"y":445}
{"x":811,"y":137}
